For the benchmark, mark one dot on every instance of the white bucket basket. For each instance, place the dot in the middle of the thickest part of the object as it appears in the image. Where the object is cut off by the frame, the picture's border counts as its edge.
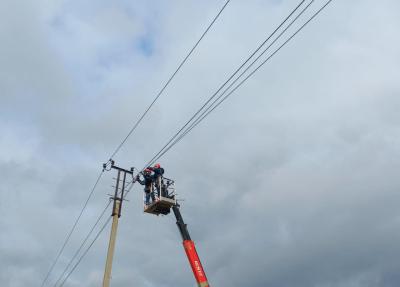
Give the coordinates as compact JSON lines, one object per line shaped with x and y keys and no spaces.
{"x":161,"y":197}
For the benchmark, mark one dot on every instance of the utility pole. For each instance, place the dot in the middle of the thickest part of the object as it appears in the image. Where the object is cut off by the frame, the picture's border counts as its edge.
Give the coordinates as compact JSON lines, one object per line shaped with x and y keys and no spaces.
{"x":116,"y":214}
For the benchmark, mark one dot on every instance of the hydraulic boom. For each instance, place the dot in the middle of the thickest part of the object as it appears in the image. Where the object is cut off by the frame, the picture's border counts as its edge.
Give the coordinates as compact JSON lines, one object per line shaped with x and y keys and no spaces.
{"x":190,"y":250}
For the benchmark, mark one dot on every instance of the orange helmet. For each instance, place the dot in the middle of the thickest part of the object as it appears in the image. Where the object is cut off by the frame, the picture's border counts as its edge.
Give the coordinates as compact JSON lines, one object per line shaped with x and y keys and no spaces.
{"x":157,"y":165}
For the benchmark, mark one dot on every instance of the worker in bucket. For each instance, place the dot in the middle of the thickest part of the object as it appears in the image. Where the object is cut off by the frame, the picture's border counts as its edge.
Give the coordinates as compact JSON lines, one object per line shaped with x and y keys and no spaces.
{"x":148,"y":185}
{"x":158,"y":179}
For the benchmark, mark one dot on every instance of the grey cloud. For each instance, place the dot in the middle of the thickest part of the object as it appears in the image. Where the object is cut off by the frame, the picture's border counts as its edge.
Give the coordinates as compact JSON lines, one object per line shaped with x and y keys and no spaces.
{"x":292,"y":182}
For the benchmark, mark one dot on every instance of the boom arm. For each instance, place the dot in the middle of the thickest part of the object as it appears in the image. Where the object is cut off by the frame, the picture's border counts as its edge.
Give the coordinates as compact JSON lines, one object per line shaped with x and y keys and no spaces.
{"x":190,"y":250}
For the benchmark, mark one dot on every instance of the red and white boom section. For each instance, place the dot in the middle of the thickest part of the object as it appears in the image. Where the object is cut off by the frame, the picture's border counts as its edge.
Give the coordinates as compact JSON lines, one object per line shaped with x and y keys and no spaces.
{"x":190,"y":250}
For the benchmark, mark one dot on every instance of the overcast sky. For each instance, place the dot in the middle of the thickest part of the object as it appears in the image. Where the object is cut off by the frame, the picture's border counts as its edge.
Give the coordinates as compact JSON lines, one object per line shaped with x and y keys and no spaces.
{"x":292,"y":182}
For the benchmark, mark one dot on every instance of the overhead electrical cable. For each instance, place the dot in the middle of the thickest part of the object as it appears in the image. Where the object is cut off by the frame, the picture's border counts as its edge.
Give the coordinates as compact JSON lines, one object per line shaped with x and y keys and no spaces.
{"x":73,"y":228}
{"x":128,"y":187}
{"x":86,"y":251}
{"x":244,"y":80}
{"x":168,"y":82}
{"x":82,"y":244}
{"x":260,"y":65}
{"x":174,"y":139}
{"x":214,"y":104}
{"x":226,"y":82}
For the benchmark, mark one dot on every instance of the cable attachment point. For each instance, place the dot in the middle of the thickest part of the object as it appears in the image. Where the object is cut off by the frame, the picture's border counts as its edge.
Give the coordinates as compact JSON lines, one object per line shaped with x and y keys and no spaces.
{"x":106,"y":165}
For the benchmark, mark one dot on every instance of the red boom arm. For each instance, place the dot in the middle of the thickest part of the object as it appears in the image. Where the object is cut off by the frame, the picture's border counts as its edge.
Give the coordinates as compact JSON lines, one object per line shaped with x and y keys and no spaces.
{"x":190,"y":250}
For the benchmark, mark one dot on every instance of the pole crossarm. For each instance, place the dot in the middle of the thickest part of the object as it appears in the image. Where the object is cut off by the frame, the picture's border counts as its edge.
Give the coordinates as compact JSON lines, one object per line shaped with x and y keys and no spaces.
{"x":121,"y":169}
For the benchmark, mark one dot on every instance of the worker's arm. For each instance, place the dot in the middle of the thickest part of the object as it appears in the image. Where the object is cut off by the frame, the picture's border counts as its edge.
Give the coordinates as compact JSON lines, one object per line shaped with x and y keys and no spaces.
{"x":139,"y":180}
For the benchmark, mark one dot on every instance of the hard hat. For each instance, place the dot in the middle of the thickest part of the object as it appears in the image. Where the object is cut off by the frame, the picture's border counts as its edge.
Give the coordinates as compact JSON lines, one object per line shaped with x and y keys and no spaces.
{"x":157,"y":165}
{"x":147,"y":170}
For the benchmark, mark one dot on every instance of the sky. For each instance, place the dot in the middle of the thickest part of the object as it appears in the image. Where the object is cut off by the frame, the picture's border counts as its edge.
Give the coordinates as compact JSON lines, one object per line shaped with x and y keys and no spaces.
{"x":293,"y":181}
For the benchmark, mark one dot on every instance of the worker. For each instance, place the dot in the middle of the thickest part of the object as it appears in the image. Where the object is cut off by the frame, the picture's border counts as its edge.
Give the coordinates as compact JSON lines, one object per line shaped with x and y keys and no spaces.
{"x":158,"y":179}
{"x":148,"y":185}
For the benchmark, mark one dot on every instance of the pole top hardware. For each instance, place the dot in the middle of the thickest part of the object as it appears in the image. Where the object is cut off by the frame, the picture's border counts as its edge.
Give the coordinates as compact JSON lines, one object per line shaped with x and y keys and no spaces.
{"x":122,"y":169}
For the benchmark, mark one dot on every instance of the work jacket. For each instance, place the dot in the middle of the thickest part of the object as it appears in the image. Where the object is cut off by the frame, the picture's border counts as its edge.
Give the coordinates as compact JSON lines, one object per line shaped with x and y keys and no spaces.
{"x":147,"y":181}
{"x":157,"y":172}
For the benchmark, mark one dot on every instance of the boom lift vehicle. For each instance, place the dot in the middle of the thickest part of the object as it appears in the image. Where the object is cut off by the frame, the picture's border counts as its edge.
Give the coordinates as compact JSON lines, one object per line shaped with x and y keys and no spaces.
{"x":165,"y":201}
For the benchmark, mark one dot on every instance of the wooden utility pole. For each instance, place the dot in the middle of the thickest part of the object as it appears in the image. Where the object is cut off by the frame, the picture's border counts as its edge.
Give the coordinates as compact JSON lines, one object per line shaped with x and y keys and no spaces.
{"x":116,"y":214}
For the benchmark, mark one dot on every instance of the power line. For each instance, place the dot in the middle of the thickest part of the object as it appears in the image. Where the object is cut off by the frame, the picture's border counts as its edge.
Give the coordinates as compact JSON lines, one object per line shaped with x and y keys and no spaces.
{"x":213,"y":106}
{"x":168,"y":82}
{"x":83,"y":243}
{"x":259,"y":66}
{"x":85,"y":252}
{"x":199,"y":119}
{"x":245,"y":79}
{"x":227,"y":81}
{"x":129,"y":187}
{"x":73,"y":228}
